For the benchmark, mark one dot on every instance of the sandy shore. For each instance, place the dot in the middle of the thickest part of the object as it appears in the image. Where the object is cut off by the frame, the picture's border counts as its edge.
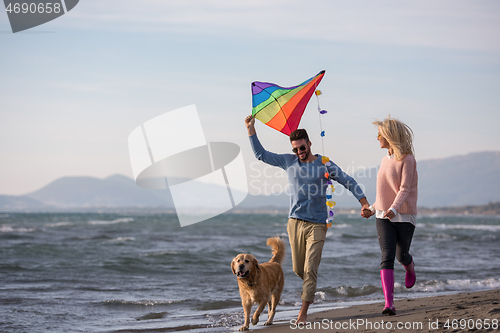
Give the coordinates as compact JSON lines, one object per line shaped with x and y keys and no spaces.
{"x":463,"y":312}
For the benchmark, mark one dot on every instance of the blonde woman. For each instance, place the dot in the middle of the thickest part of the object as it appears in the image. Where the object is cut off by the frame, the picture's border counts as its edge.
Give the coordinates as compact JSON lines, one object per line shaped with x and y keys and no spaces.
{"x":396,"y":204}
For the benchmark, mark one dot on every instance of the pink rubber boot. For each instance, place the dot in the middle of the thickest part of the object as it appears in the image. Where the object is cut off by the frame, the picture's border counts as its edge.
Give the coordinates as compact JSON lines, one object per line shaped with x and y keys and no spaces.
{"x":387,"y":278}
{"x":410,"y":277}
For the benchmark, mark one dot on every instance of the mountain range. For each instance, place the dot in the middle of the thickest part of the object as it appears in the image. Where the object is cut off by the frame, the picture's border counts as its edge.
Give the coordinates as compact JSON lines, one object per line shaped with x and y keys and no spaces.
{"x":472,"y":179}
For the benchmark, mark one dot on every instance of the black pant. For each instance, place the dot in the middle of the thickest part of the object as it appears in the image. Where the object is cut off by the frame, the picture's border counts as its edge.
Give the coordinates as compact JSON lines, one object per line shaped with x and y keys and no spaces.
{"x":394,"y":239}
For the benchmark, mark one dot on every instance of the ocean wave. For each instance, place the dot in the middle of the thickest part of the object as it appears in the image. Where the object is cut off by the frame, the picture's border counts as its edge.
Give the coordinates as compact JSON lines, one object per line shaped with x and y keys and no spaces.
{"x":144,"y":302}
{"x":488,"y":238}
{"x":121,"y":239}
{"x":437,"y":236}
{"x":475,"y":227}
{"x":120,"y":220}
{"x":341,"y":226}
{"x":152,"y":316}
{"x":432,"y":286}
{"x":485,"y":227}
{"x":153,"y":254}
{"x":320,"y":296}
{"x":347,"y":291}
{"x":58,"y":224}
{"x":456,"y":285}
{"x":4,"y":228}
{"x":354,"y":236}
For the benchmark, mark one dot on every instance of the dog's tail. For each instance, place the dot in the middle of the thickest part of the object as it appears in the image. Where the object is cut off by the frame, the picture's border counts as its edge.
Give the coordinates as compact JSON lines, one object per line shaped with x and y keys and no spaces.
{"x":278,"y":249}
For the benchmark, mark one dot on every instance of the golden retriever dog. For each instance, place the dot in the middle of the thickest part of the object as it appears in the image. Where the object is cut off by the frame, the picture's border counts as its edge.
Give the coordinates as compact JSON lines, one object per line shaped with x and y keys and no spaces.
{"x":260,"y":283}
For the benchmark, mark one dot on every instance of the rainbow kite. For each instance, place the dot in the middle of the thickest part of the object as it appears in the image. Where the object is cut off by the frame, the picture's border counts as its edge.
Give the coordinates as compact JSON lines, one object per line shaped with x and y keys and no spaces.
{"x":281,"y":108}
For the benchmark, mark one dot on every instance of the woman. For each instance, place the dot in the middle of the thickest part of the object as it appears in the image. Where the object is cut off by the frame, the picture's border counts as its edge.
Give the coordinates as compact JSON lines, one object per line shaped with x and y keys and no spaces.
{"x":396,"y":204}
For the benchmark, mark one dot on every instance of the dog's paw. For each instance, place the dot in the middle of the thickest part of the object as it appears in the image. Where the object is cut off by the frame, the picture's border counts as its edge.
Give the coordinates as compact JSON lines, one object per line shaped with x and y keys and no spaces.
{"x":268,"y":323}
{"x":243,"y":328}
{"x":255,"y":321}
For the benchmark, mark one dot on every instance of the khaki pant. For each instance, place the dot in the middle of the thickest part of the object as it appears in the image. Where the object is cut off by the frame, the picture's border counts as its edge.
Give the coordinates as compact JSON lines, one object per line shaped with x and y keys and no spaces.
{"x":306,"y":241}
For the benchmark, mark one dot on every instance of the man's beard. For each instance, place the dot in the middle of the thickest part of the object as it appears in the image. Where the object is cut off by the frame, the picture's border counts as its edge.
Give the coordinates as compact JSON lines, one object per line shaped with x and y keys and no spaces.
{"x":305,"y":157}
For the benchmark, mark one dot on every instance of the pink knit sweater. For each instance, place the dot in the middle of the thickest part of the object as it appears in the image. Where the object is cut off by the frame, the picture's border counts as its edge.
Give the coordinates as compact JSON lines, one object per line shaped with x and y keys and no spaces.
{"x":397,"y":185}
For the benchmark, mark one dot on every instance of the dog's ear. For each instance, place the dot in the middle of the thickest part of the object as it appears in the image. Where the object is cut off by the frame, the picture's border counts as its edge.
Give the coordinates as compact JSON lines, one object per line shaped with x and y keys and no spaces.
{"x":232,"y":266}
{"x":256,"y":263}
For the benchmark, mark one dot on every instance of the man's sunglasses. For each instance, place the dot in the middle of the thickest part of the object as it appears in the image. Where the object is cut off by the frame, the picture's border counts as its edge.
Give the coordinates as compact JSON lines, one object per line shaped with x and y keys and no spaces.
{"x":301,"y":148}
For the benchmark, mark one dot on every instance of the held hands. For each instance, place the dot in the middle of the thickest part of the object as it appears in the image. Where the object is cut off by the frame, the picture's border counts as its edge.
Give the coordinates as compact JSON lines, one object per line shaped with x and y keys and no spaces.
{"x":366,"y":212}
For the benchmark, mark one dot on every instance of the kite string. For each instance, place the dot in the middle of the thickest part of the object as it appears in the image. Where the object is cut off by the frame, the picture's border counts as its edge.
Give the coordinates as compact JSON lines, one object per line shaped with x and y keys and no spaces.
{"x":322,"y":133}
{"x":321,"y":128}
{"x":326,"y":161}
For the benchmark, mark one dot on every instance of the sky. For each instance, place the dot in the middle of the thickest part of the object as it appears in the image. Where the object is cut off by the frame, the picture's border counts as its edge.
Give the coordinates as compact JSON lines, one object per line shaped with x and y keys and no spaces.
{"x":73,"y":89}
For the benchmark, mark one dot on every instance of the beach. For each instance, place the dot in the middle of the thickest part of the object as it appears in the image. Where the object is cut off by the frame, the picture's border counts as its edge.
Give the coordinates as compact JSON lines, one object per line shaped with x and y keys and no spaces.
{"x":471,"y":311}
{"x":133,"y":272}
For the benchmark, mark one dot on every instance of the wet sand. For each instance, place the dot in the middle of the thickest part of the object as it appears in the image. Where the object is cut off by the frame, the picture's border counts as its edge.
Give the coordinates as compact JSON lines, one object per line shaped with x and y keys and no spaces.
{"x":472,"y":311}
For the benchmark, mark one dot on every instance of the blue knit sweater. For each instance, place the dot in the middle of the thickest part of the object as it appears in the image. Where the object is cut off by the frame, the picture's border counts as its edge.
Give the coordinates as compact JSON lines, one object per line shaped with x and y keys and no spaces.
{"x":307,"y":183}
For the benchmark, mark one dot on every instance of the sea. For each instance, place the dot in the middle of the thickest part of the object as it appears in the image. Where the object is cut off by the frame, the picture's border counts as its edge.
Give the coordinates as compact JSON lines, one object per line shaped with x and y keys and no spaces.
{"x":142,"y":272}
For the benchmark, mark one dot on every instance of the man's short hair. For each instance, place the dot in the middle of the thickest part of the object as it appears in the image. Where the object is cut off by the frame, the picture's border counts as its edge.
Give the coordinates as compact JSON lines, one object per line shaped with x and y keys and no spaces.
{"x":298,"y":135}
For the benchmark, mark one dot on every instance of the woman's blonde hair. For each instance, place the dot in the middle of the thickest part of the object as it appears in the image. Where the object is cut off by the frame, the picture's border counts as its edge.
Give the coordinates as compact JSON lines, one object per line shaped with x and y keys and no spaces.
{"x":398,"y":135}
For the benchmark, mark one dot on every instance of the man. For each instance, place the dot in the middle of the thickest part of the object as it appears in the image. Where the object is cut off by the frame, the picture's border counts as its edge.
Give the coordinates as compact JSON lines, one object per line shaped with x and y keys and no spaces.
{"x":308,"y":212}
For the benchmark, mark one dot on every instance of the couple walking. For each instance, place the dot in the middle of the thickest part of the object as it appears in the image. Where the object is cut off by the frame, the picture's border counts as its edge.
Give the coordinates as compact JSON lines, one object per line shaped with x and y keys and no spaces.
{"x":395,"y":205}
